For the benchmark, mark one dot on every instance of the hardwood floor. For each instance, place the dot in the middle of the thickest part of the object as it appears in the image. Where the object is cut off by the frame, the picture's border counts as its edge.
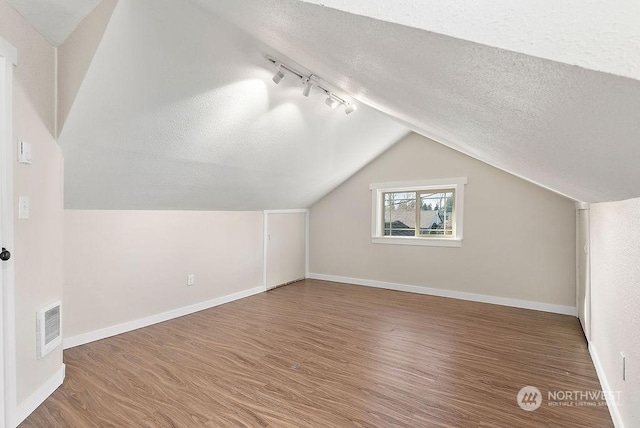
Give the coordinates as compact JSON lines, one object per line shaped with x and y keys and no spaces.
{"x":321,"y":354}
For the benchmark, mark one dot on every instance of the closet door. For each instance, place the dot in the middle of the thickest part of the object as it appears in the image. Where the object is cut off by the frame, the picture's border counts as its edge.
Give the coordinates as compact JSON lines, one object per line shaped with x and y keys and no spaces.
{"x":285,"y":247}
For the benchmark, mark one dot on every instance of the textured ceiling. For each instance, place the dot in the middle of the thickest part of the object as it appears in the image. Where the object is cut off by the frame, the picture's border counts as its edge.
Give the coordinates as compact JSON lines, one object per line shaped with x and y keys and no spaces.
{"x":570,"y":129}
{"x":178,"y":111}
{"x":596,"y":34}
{"x":54,"y":19}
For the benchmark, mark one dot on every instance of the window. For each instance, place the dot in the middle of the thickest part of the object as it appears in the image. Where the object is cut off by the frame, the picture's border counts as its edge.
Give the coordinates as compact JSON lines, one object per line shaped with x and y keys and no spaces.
{"x":425,"y":212}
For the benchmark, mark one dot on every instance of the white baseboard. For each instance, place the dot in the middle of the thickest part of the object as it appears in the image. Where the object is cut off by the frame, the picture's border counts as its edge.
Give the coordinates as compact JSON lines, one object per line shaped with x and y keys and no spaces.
{"x":38,"y":397}
{"x":504,"y":301}
{"x":81,"y":339}
{"x":613,"y":408}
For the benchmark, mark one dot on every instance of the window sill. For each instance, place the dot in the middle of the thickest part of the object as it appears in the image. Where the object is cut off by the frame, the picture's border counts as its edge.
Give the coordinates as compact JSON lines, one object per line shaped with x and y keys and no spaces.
{"x":428,"y":242}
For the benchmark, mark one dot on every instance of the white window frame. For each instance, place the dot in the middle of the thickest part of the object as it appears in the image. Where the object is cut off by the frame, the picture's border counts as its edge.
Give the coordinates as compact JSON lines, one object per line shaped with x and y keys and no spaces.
{"x":379,"y":189}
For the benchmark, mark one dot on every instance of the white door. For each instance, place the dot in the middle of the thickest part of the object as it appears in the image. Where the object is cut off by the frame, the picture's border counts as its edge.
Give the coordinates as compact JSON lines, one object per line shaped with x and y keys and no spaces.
{"x":8,"y":56}
{"x":584,"y":288}
{"x":285,"y":247}
{"x":4,"y":127}
{"x":3,"y":264}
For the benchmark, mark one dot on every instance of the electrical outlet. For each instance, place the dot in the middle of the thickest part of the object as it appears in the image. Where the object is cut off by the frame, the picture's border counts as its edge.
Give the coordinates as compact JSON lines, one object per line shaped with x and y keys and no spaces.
{"x":623,"y":360}
{"x":191,"y":279}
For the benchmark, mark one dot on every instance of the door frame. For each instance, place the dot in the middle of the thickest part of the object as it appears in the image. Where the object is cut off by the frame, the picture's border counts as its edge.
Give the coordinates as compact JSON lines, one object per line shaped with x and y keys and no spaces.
{"x":583,"y":206}
{"x":8,"y":404}
{"x":265,"y":239}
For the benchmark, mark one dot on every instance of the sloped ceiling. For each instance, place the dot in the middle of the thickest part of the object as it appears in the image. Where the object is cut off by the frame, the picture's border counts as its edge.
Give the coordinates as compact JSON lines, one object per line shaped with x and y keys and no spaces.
{"x":54,"y":19}
{"x":594,"y":34}
{"x":178,"y":111}
{"x":573,"y":130}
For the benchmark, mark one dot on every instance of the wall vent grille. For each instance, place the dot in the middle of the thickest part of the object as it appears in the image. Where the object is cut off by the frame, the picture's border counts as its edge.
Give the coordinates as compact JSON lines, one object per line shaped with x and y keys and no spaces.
{"x":49,"y":328}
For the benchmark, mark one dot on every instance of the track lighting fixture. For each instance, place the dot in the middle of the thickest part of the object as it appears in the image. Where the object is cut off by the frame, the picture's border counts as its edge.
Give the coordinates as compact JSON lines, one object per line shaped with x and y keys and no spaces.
{"x":307,"y":87}
{"x":310,"y":82}
{"x":331,"y":102}
{"x":349,"y":108}
{"x":278,"y":76}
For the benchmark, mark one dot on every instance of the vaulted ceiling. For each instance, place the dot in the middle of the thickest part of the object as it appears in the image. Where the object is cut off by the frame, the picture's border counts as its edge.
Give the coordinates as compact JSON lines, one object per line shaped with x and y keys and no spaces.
{"x":178,"y":110}
{"x":567,"y":128}
{"x":597,"y":34}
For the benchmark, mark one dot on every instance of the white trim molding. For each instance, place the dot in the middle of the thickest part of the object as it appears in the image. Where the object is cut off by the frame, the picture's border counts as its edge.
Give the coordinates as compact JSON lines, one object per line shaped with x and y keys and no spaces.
{"x":306,"y":245}
{"x":461,"y":295}
{"x":410,"y":240}
{"x":8,"y":59}
{"x":611,"y":404}
{"x":38,"y":397}
{"x":582,"y":205}
{"x":377,"y":224}
{"x":92,"y":336}
{"x":291,"y":211}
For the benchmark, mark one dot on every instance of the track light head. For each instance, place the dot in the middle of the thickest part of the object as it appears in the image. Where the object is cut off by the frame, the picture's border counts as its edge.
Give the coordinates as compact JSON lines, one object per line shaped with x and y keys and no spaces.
{"x":278,"y":76}
{"x":307,"y":87}
{"x":349,"y":108}
{"x":331,"y":102}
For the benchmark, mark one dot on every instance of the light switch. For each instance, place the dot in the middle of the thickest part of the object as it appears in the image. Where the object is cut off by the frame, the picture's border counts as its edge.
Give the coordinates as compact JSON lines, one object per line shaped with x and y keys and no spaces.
{"x":24,"y":152}
{"x":23,"y":208}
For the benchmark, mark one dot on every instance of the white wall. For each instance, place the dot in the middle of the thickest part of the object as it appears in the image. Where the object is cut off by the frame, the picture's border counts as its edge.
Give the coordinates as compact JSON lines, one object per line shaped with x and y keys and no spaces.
{"x":38,"y":242}
{"x":121,"y":266}
{"x":519,"y":239}
{"x":615,"y":300}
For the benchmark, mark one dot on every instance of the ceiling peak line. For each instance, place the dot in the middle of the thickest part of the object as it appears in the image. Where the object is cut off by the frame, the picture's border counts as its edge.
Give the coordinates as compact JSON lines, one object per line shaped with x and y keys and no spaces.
{"x":311,"y":81}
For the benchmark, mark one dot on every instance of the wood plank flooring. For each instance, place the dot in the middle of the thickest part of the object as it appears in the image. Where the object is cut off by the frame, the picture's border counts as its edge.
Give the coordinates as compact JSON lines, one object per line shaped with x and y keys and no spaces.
{"x":320,"y":354}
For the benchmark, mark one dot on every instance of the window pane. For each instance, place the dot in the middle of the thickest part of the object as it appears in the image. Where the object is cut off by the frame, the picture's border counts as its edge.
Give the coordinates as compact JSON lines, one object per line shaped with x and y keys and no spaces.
{"x":400,"y":214}
{"x":436,"y":213}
